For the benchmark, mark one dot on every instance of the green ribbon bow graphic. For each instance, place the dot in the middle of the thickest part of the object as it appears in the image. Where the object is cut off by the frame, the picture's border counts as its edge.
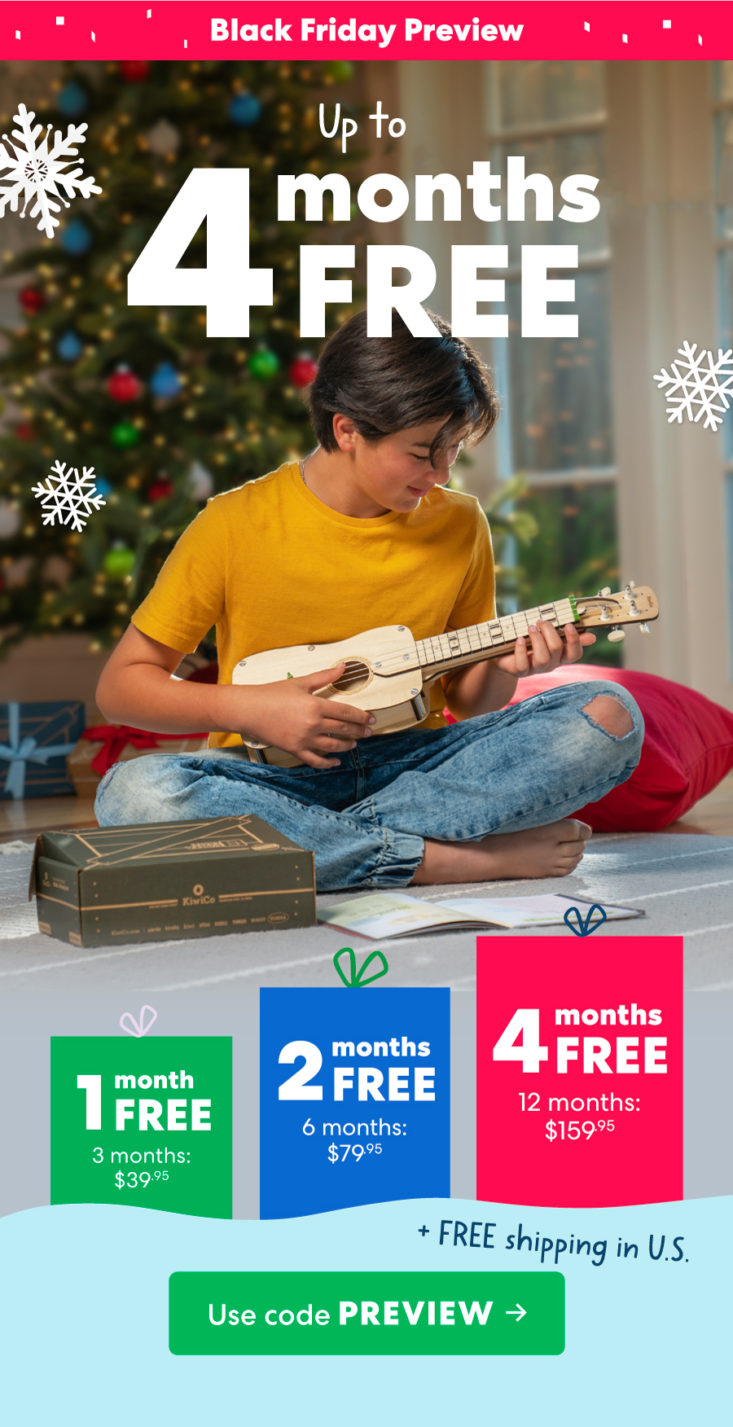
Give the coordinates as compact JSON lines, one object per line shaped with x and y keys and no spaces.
{"x":359,"y":978}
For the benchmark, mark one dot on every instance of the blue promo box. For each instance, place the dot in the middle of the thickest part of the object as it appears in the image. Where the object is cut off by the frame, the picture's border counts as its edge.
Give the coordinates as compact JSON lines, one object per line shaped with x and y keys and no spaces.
{"x":354,"y":1097}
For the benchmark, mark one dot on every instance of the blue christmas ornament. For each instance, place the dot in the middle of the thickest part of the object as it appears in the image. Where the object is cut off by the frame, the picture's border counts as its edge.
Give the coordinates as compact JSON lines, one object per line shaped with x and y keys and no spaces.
{"x":165,"y":381}
{"x":69,"y":347}
{"x":73,"y":100}
{"x":77,"y":238}
{"x":244,"y":110}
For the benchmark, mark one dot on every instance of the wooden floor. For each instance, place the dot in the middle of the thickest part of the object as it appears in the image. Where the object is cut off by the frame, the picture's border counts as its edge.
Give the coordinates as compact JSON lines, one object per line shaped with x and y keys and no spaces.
{"x":23,"y":819}
{"x":713,"y":815}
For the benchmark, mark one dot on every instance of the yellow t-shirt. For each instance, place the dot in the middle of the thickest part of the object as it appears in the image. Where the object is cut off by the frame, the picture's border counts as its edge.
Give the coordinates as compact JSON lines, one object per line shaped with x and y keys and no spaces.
{"x":270,"y":565}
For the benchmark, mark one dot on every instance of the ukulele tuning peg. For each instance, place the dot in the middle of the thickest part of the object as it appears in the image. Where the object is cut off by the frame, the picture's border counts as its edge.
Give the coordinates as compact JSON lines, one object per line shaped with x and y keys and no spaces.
{"x":616,"y":635}
{"x":606,"y":590}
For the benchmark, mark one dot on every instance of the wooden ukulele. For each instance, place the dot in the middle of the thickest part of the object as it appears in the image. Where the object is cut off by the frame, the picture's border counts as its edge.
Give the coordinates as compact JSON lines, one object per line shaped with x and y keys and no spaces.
{"x":389,"y":673}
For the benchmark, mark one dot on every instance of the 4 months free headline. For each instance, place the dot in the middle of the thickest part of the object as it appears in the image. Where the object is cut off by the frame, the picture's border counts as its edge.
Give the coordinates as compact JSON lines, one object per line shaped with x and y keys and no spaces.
{"x":351,"y":31}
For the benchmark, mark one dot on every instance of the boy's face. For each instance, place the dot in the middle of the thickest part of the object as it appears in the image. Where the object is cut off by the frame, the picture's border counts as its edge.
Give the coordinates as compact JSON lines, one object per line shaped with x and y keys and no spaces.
{"x":395,"y":472}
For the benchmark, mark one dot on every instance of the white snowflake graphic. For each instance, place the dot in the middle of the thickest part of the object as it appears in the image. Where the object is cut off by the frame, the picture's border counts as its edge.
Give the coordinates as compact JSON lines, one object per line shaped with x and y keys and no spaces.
{"x":699,"y":384}
{"x":68,"y":497}
{"x":40,"y":170}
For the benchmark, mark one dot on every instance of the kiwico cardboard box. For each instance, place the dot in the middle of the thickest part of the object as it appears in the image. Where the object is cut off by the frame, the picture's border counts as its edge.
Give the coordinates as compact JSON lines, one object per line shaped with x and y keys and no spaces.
{"x":163,"y":881}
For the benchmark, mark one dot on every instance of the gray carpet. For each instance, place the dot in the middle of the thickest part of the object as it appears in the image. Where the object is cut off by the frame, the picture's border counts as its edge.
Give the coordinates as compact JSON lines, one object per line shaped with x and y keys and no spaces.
{"x":684,"y":884}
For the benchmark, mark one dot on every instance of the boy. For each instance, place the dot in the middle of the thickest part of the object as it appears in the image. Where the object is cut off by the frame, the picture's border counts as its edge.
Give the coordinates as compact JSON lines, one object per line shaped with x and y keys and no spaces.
{"x":360,"y":534}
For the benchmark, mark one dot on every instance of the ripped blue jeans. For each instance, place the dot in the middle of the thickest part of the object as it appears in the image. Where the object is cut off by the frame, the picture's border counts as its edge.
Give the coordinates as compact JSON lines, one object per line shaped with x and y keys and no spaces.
{"x":366,"y":821}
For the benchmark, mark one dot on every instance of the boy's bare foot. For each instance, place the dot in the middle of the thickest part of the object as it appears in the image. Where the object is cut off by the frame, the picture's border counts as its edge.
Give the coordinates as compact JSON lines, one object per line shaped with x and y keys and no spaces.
{"x":550,"y":851}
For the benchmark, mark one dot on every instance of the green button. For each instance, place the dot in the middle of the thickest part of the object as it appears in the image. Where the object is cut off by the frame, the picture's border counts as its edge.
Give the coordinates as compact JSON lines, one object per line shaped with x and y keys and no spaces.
{"x":395,"y":1313}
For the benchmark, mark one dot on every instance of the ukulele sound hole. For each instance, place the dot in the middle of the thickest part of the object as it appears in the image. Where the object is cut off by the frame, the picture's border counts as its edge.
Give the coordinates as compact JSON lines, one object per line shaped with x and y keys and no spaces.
{"x":356,"y":676}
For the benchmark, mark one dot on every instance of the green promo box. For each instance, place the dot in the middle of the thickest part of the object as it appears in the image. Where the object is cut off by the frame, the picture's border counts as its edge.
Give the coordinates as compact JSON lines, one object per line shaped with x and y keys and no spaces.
{"x":163,"y":881}
{"x":144,"y":1121}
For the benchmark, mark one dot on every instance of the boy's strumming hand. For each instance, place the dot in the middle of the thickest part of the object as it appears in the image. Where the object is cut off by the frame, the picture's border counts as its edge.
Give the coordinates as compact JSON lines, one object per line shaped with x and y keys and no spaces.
{"x":545,"y":650}
{"x":288,"y":715}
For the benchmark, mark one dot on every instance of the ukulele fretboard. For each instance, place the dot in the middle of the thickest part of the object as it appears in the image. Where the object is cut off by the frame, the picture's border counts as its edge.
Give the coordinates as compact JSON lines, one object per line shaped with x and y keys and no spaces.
{"x":494,"y":633}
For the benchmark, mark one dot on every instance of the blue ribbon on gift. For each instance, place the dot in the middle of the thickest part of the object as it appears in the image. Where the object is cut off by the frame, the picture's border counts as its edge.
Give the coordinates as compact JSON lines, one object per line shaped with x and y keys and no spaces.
{"x":20,"y":751}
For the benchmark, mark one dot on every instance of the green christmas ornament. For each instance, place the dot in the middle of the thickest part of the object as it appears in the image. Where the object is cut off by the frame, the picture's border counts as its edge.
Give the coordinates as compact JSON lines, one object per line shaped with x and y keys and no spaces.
{"x":124,"y":435}
{"x":119,"y":561}
{"x":263,"y":364}
{"x":339,"y":70}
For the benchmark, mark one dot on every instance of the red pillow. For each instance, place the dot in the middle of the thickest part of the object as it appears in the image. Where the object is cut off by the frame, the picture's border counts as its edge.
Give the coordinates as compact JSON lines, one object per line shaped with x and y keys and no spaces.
{"x":687,"y":749}
{"x":205,"y":674}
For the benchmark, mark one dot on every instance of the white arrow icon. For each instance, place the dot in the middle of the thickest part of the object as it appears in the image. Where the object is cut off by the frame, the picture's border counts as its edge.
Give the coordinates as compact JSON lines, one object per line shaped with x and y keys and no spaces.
{"x":519,"y":1312}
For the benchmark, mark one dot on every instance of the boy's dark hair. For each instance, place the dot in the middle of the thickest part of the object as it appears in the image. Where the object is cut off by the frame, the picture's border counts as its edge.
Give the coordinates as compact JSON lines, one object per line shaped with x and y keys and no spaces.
{"x":388,"y":384}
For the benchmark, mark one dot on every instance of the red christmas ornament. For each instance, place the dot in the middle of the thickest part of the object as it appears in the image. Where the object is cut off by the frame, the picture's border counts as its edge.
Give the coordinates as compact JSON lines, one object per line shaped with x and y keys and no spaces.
{"x":24,"y":431}
{"x":303,"y":370}
{"x":160,"y":490}
{"x":32,"y":300}
{"x":134,"y":71}
{"x":124,"y":386}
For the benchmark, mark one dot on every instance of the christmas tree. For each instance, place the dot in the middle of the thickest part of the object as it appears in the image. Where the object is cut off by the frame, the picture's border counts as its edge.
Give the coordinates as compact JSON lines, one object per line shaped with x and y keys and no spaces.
{"x":130,"y":413}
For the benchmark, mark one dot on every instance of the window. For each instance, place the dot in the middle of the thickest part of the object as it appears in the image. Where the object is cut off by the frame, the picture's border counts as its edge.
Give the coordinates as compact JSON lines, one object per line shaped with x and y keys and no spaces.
{"x":556,"y":392}
{"x":723,"y":95}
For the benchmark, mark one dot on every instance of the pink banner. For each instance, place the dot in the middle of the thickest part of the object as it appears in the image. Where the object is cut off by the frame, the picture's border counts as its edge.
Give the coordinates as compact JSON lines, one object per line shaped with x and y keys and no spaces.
{"x":509,"y":29}
{"x":579,"y":1065}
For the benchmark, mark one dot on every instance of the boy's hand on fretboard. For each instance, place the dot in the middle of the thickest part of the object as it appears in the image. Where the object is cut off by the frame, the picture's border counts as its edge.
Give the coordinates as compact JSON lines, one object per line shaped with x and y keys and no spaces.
{"x":545,"y":650}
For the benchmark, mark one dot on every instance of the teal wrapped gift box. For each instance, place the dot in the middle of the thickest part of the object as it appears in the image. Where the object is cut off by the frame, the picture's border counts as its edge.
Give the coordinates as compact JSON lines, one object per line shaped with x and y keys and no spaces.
{"x":35,"y":740}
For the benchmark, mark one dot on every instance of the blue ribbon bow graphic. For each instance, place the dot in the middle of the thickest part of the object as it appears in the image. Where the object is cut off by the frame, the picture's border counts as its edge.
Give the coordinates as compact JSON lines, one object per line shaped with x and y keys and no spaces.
{"x":19,"y":751}
{"x":591,"y":924}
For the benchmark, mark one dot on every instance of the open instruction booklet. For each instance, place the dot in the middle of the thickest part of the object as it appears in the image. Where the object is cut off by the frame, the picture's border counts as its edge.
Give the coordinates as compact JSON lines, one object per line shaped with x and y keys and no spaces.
{"x":385,"y":914}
